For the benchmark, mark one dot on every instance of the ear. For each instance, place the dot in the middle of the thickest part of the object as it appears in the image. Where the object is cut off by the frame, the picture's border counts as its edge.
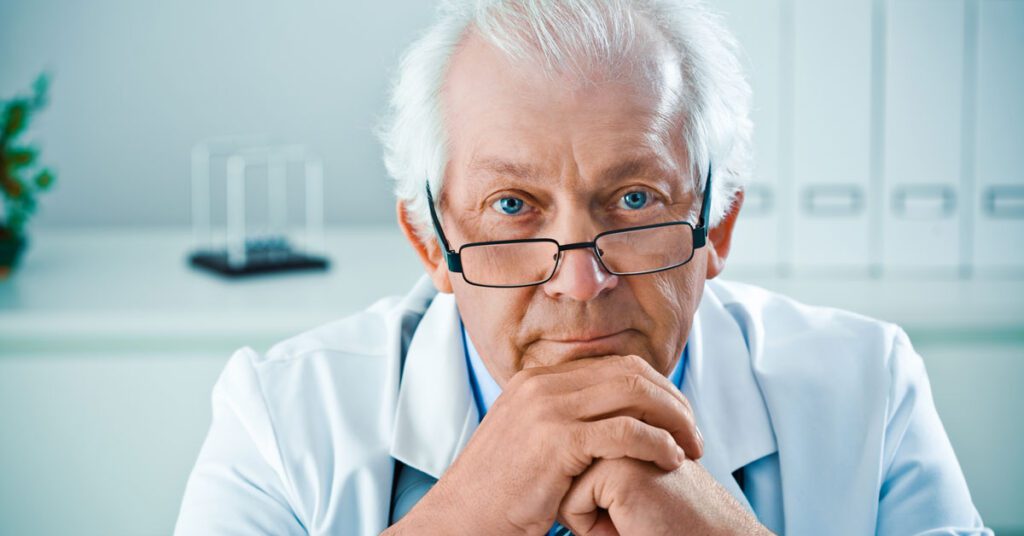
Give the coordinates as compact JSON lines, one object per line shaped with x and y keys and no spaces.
{"x":429,"y":251}
{"x":720,"y":237}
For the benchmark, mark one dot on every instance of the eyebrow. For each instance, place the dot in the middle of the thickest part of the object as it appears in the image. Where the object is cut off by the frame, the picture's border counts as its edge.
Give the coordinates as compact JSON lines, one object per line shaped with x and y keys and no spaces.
{"x":631,"y":167}
{"x":505,"y":168}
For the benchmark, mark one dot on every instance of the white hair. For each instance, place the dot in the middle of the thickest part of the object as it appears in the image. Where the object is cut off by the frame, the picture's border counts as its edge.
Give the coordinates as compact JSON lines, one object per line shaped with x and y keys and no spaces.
{"x":566,"y":35}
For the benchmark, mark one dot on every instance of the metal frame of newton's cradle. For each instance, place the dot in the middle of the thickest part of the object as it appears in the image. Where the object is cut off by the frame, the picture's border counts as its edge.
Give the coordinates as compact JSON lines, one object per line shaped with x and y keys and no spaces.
{"x":241,"y":254}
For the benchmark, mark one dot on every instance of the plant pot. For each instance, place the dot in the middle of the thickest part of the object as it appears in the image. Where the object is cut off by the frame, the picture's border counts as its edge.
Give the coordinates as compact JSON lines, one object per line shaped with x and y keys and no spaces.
{"x":11,"y":248}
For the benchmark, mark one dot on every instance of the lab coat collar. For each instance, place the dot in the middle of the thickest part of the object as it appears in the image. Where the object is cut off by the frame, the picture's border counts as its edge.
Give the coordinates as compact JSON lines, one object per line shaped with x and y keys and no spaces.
{"x":435,"y":414}
{"x":720,"y":383}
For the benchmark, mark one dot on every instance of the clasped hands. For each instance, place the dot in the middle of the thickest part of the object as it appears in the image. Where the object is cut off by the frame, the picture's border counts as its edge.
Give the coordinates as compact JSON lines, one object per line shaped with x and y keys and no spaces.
{"x":604,"y":445}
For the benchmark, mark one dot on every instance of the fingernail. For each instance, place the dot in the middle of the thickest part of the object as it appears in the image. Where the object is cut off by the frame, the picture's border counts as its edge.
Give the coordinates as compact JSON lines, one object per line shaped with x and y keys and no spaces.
{"x":700,"y":436}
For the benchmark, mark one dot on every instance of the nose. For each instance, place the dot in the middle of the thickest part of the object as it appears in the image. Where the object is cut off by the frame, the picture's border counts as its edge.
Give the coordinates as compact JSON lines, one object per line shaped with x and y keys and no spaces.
{"x":580,"y":276}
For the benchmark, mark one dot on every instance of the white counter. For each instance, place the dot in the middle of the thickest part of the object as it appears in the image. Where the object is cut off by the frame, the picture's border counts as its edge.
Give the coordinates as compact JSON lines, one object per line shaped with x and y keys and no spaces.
{"x":135,"y":286}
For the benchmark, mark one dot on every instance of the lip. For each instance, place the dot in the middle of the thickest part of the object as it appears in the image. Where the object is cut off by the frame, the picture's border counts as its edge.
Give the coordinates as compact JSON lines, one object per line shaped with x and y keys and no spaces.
{"x":561,"y":350}
{"x":588,"y":338}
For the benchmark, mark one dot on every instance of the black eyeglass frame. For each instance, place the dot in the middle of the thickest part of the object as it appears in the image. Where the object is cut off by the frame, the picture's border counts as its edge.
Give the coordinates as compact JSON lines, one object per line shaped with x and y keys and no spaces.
{"x":454,"y":258}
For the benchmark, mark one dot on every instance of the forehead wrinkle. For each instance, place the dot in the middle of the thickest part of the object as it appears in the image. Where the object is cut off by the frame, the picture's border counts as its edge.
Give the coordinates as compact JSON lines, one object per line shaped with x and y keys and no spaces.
{"x":662,"y":72}
{"x":503,"y":168}
{"x":639,"y":165}
{"x":664,"y":139}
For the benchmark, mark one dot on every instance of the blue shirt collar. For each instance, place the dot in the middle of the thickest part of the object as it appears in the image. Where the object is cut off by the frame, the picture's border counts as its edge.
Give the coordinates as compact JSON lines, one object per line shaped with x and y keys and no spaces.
{"x":486,"y":390}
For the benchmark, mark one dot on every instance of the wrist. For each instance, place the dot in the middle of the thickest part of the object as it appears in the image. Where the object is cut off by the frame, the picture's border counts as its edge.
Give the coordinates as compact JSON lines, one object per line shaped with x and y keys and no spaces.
{"x":745,"y":523}
{"x":444,"y":511}
{"x":424,"y":522}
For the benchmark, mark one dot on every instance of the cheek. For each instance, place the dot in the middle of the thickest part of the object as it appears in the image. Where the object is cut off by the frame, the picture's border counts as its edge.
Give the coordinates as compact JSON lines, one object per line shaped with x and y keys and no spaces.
{"x":669,"y":300}
{"x":491,"y":317}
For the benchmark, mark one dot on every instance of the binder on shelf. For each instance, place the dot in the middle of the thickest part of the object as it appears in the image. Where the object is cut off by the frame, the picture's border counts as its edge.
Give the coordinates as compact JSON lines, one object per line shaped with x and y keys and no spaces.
{"x":758,"y":238}
{"x":923,"y":137}
{"x":998,"y":244}
{"x":832,"y":76}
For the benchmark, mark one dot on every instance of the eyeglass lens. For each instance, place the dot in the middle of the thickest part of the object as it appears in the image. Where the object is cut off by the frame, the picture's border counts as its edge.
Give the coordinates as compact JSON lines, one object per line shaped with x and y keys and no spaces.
{"x":626,"y":252}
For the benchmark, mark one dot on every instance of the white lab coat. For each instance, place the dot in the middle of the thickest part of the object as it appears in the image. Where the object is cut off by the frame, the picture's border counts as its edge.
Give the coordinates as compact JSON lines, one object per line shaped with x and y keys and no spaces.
{"x":830,"y":414}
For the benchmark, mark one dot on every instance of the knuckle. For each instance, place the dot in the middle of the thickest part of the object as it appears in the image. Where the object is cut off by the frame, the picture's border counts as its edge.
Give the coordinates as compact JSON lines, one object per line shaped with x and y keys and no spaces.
{"x":635,"y":363}
{"x":635,"y":383}
{"x":516,"y":381}
{"x":578,"y":436}
{"x":685,"y":402}
{"x":567,"y":405}
{"x":666,"y":440}
{"x":578,"y":456}
{"x":625,"y":429}
{"x":621,"y":362}
{"x":679,"y":406}
{"x":580,"y":444}
{"x":524,"y":375}
{"x":530,"y":387}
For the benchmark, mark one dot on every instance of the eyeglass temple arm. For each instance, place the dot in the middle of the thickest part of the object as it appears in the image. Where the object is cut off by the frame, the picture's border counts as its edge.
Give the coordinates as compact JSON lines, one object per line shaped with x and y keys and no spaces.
{"x":453,"y":259}
{"x":700,"y":234}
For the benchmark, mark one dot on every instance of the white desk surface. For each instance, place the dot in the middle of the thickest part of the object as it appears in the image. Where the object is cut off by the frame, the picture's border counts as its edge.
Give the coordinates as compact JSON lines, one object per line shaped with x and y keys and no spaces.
{"x":108,"y":285}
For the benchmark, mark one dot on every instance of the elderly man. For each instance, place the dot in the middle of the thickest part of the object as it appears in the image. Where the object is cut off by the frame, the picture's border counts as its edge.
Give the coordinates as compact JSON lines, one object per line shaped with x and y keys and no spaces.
{"x":569,"y":172}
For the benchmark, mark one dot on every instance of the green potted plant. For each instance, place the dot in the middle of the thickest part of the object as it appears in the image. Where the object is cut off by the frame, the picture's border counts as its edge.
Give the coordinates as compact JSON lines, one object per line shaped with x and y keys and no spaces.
{"x":21,"y":177}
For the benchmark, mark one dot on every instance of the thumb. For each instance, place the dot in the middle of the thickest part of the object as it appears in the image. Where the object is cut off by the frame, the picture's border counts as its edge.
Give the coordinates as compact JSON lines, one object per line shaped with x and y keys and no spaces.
{"x":583,"y":510}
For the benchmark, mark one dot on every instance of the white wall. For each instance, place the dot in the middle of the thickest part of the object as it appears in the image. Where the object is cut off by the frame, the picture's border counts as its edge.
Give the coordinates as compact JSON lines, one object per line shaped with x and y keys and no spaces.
{"x":136,"y":84}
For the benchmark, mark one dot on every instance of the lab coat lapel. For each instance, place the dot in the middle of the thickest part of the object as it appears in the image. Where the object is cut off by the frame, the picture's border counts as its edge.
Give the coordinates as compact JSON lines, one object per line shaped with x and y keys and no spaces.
{"x":435,"y":414}
{"x":719,"y":382}
{"x":826,"y":415}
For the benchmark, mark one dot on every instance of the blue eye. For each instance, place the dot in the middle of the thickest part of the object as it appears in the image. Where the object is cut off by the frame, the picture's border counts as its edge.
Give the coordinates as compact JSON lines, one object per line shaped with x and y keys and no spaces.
{"x":509,"y":205}
{"x":634,"y":200}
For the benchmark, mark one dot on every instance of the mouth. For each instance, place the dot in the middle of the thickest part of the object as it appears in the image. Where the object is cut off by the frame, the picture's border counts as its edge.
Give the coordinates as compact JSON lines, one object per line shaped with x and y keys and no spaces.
{"x":589,"y":344}
{"x":585,"y":338}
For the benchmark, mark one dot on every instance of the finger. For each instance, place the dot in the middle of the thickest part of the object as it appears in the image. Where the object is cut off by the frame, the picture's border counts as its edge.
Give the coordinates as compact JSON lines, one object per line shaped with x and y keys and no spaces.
{"x":626,"y":437}
{"x":582,"y":373}
{"x":581,"y":510}
{"x":638,"y":397}
{"x":597,"y":524}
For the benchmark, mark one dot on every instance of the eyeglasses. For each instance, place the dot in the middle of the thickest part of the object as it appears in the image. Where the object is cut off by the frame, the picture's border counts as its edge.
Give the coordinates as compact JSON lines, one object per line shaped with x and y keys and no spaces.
{"x":533,"y":261}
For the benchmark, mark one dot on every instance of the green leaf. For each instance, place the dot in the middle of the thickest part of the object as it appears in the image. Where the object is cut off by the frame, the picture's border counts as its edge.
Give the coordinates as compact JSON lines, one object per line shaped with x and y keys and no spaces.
{"x":21,"y":157}
{"x":44,"y":179}
{"x":16,"y":117}
{"x":17,"y":190}
{"x":16,"y":221}
{"x":28,"y":204}
{"x":41,"y":90}
{"x":14,"y":189}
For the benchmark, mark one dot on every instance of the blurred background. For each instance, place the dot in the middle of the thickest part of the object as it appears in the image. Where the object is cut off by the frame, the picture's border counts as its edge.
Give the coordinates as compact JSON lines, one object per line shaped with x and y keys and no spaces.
{"x":889,"y":180}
